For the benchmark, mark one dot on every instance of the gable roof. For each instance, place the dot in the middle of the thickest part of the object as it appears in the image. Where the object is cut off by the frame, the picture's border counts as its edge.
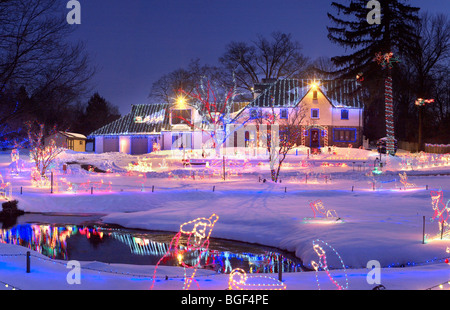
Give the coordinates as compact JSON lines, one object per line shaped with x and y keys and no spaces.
{"x":154,"y":118}
{"x":289,"y":92}
{"x":73,"y":135}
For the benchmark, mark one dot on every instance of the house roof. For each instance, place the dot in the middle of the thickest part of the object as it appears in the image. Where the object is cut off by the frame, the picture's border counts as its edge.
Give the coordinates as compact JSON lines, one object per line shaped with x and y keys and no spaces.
{"x":73,"y":135}
{"x":143,"y":119}
{"x":70,"y":135}
{"x":289,"y":92}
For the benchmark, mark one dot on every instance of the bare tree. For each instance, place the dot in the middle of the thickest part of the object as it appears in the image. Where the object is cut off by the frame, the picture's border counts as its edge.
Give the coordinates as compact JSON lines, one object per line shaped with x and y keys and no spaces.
{"x":168,"y":87}
{"x":428,"y":59}
{"x":34,"y":52}
{"x":42,"y":155}
{"x":279,"y":57}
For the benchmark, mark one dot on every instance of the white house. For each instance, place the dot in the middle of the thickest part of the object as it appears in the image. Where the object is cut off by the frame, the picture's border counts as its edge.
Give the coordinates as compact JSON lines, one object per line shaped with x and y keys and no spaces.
{"x":332,"y":111}
{"x":333,"y":115}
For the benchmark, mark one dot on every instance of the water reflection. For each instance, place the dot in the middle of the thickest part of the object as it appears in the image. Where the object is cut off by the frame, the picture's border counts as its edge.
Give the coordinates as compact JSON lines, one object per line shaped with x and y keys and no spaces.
{"x":112,"y":245}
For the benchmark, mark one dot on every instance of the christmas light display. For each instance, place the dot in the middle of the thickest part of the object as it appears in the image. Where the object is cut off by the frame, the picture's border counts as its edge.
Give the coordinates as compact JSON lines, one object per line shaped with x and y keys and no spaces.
{"x":441,"y":213}
{"x":5,"y":189}
{"x":404,"y":181}
{"x":421,"y":102}
{"x":196,"y":233}
{"x":239,"y":280}
{"x":140,"y":166}
{"x":15,"y":159}
{"x":323,"y":264}
{"x":321,"y":213}
{"x":386,"y":61}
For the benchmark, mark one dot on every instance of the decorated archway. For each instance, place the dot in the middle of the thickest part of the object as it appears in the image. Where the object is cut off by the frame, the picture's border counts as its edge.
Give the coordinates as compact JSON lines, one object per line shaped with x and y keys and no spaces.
{"x":323,"y":130}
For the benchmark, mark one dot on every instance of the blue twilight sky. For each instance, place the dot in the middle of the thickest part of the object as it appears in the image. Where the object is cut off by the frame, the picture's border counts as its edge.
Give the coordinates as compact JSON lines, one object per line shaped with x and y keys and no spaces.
{"x":135,"y":42}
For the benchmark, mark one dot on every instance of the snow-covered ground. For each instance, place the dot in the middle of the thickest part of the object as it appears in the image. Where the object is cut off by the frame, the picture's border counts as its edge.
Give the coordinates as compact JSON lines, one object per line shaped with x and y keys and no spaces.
{"x":379,"y":219}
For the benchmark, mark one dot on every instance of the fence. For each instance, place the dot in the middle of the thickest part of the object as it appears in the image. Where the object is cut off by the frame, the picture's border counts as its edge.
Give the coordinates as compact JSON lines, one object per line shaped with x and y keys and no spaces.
{"x":429,"y":148}
{"x":437,"y":148}
{"x":408,"y":146}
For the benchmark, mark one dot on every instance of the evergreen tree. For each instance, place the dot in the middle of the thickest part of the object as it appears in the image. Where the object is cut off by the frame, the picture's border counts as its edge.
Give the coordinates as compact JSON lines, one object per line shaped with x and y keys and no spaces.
{"x":99,"y":112}
{"x":353,"y":31}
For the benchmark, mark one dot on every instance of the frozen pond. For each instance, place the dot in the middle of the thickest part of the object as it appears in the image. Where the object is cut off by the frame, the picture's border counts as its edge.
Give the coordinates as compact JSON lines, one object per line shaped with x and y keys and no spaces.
{"x":84,"y":238}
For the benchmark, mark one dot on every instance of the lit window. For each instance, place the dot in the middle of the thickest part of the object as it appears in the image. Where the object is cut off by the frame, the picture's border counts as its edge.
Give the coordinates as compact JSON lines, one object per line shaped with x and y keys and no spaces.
{"x":314,"y":94}
{"x":344,"y":135}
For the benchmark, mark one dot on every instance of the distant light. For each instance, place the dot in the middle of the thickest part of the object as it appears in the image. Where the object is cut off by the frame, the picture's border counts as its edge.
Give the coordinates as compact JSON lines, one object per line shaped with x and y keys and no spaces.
{"x":315,"y":85}
{"x":181,"y":102}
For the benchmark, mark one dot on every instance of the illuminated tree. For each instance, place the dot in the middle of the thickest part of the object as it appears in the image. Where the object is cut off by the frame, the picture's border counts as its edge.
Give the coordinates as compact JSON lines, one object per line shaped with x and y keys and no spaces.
{"x":216,"y":107}
{"x":42,"y":155}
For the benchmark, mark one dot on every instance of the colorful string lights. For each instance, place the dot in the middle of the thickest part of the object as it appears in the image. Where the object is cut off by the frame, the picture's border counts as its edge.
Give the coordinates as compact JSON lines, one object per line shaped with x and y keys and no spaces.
{"x":386,"y":61}
{"x":323,"y":264}
{"x":197,"y":233}
{"x":421,"y":102}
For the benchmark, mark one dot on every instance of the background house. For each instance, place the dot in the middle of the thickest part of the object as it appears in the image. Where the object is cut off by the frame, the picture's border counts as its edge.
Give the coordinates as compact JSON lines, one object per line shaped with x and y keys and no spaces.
{"x":72,"y":141}
{"x":138,"y":132}
{"x":333,"y":116}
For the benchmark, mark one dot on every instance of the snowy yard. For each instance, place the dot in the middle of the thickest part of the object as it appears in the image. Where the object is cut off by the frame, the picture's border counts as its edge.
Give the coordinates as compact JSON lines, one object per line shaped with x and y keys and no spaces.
{"x":380,"y":218}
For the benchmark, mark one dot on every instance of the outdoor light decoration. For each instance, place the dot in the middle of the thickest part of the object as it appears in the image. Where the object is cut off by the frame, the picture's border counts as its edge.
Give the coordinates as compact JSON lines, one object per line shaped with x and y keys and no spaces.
{"x":15,"y":159}
{"x":140,"y":166}
{"x":239,"y":280}
{"x":421,"y":102}
{"x":319,"y":211}
{"x":441,"y":213}
{"x":360,"y":77}
{"x":197,"y":233}
{"x":39,"y":180}
{"x":5,"y":189}
{"x":322,"y":264}
{"x":386,"y":61}
{"x":404,"y":181}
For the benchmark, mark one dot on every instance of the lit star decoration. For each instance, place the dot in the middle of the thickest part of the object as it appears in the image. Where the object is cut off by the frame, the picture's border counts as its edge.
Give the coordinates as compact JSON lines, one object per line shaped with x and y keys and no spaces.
{"x":322,"y":264}
{"x":239,"y":280}
{"x":197,"y":232}
{"x":386,"y":61}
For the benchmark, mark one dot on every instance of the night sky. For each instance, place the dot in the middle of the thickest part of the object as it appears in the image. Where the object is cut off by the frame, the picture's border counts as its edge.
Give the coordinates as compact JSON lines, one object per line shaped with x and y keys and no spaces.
{"x":133,"y":43}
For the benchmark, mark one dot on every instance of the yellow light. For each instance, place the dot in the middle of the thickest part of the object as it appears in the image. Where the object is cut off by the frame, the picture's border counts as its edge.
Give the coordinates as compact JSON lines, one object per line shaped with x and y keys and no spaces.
{"x":181,"y":102}
{"x":315,"y":85}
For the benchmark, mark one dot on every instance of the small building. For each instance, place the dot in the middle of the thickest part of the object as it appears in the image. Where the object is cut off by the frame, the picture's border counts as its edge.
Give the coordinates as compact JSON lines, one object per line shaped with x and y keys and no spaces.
{"x":72,"y":141}
{"x":138,"y":132}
